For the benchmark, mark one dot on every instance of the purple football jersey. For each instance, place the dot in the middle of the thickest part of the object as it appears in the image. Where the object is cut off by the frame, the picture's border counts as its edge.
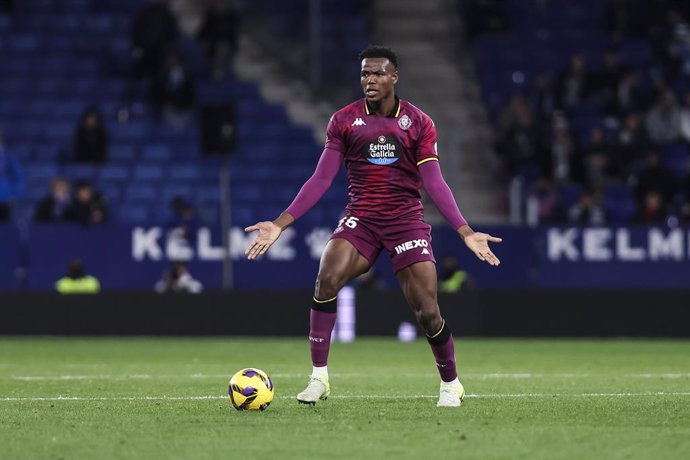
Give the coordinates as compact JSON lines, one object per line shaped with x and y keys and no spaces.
{"x":382,"y":155}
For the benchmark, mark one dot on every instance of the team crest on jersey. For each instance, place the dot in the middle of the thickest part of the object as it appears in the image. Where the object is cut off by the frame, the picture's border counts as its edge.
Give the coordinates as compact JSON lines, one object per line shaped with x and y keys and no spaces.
{"x":404,"y":122}
{"x":383,"y":151}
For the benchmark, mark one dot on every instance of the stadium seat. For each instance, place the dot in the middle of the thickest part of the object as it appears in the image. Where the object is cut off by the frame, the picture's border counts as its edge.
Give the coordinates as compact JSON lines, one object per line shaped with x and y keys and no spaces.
{"x":206,"y":193}
{"x":111,"y":191}
{"x":171,"y":191}
{"x":141,"y":193}
{"x":41,"y":171}
{"x":150,"y":172}
{"x":123,"y":153}
{"x":78,"y":172}
{"x":155,"y":152}
{"x":185,"y":171}
{"x":114,"y":173}
{"x":133,"y":213}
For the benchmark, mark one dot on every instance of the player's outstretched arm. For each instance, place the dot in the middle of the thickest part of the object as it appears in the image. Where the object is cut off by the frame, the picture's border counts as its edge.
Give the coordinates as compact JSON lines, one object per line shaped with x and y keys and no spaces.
{"x":440,"y":194}
{"x":311,"y":192}
{"x":268,"y":234}
{"x":478,"y":243}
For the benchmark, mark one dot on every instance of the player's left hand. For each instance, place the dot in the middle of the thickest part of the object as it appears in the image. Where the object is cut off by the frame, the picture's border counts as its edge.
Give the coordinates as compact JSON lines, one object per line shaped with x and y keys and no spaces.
{"x":479,"y":244}
{"x":268,"y":234}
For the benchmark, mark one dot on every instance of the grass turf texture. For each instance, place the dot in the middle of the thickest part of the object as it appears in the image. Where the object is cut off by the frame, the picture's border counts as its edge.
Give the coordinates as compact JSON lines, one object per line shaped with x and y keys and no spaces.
{"x":165,"y":398}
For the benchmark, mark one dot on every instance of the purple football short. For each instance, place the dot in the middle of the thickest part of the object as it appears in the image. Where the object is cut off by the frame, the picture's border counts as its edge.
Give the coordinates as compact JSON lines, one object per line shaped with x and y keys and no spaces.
{"x":407,"y":241}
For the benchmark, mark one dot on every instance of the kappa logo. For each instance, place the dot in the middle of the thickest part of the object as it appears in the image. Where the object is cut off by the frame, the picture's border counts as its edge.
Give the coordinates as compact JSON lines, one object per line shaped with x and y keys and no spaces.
{"x":358,"y":122}
{"x":407,"y":245}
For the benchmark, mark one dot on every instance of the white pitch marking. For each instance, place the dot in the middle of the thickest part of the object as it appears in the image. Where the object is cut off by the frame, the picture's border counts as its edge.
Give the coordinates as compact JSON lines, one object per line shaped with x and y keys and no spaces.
{"x":402,"y":397}
{"x":487,"y":376}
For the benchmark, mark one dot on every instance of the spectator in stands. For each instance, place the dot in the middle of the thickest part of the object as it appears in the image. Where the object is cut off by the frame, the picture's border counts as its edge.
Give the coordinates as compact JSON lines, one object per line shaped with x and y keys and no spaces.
{"x":631,"y":96}
{"x":77,"y":281}
{"x":508,"y":118}
{"x":90,"y":207}
{"x":599,"y":158}
{"x":453,"y":279}
{"x":91,"y":138}
{"x":607,"y":81}
{"x":548,"y":207}
{"x":574,"y":84}
{"x":220,"y":35}
{"x":184,"y":221}
{"x":671,"y":38}
{"x":657,"y":178}
{"x":543,"y":98}
{"x":564,"y":161}
{"x":632,"y":141}
{"x":172,"y":92}
{"x":519,"y":136}
{"x":685,"y":118}
{"x":11,"y":182}
{"x":153,"y":31}
{"x":652,"y":210}
{"x":177,"y":279}
{"x":663,"y":121}
{"x":58,"y":205}
{"x":588,"y":210}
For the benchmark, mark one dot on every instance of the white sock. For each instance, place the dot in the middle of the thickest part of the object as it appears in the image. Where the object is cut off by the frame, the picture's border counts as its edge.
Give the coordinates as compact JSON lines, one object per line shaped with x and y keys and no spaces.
{"x":453,"y":383}
{"x":319,"y":371}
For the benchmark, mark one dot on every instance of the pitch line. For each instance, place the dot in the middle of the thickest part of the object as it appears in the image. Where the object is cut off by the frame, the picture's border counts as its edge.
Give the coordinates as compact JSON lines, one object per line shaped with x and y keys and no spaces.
{"x":278,"y":375}
{"x":370,"y":397}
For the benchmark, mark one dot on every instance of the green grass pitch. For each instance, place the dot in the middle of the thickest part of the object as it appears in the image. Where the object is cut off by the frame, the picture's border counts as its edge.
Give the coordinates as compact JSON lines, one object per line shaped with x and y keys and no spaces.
{"x":166,"y":398}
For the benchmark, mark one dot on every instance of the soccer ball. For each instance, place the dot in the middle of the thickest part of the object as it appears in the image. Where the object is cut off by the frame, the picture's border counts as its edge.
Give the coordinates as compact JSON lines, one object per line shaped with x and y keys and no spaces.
{"x":250,"y":389}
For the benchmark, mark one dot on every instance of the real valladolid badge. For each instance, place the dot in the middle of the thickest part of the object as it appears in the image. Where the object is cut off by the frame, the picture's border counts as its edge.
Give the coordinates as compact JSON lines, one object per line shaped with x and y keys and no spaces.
{"x":404,"y":122}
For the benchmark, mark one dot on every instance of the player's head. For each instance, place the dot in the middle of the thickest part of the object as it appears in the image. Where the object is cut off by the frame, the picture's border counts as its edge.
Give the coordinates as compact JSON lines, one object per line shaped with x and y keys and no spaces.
{"x":379,"y":72}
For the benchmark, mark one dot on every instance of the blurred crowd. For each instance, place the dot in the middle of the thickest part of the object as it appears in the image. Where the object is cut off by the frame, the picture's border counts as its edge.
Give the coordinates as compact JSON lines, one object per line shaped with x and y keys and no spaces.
{"x":599,"y":126}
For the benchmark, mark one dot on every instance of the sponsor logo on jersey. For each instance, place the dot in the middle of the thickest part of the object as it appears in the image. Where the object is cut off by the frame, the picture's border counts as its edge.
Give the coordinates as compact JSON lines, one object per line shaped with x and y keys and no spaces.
{"x":407,"y":245}
{"x":316,"y":339}
{"x":425,"y":251}
{"x":358,"y":122}
{"x":404,"y":122}
{"x":383,"y":151}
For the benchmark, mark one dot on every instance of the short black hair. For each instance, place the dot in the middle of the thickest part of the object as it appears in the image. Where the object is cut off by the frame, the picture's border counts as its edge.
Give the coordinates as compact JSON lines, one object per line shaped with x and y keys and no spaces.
{"x":376,"y":51}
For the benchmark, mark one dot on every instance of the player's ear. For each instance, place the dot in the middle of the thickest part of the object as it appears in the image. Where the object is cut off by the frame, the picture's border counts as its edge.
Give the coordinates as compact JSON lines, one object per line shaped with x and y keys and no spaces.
{"x":394,"y":77}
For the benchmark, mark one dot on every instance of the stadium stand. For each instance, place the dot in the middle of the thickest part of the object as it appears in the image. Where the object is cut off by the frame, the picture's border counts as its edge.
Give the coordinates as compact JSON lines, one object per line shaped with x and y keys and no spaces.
{"x":60,"y":57}
{"x":555,"y":75}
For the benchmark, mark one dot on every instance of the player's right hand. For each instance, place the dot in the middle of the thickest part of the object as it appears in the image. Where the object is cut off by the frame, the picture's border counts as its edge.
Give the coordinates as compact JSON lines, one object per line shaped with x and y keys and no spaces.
{"x":268,"y":234}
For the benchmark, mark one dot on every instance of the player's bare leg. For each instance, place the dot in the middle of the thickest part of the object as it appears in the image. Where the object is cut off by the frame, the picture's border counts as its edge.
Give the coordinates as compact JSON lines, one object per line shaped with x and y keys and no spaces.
{"x":340,"y":262}
{"x":418,"y":282}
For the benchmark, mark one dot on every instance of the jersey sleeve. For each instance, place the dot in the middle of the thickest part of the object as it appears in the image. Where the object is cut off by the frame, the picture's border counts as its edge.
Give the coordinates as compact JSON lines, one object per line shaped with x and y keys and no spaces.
{"x":426,"y":150}
{"x":334,"y":136}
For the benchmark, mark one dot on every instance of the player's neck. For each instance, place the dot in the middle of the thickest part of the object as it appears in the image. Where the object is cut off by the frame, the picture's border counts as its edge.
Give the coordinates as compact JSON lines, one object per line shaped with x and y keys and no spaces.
{"x":383,"y":107}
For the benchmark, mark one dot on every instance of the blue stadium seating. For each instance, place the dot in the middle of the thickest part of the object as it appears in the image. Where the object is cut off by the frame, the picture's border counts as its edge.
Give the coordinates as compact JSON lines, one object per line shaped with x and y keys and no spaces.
{"x":137,"y":192}
{"x":133,"y":213}
{"x":62,"y":56}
